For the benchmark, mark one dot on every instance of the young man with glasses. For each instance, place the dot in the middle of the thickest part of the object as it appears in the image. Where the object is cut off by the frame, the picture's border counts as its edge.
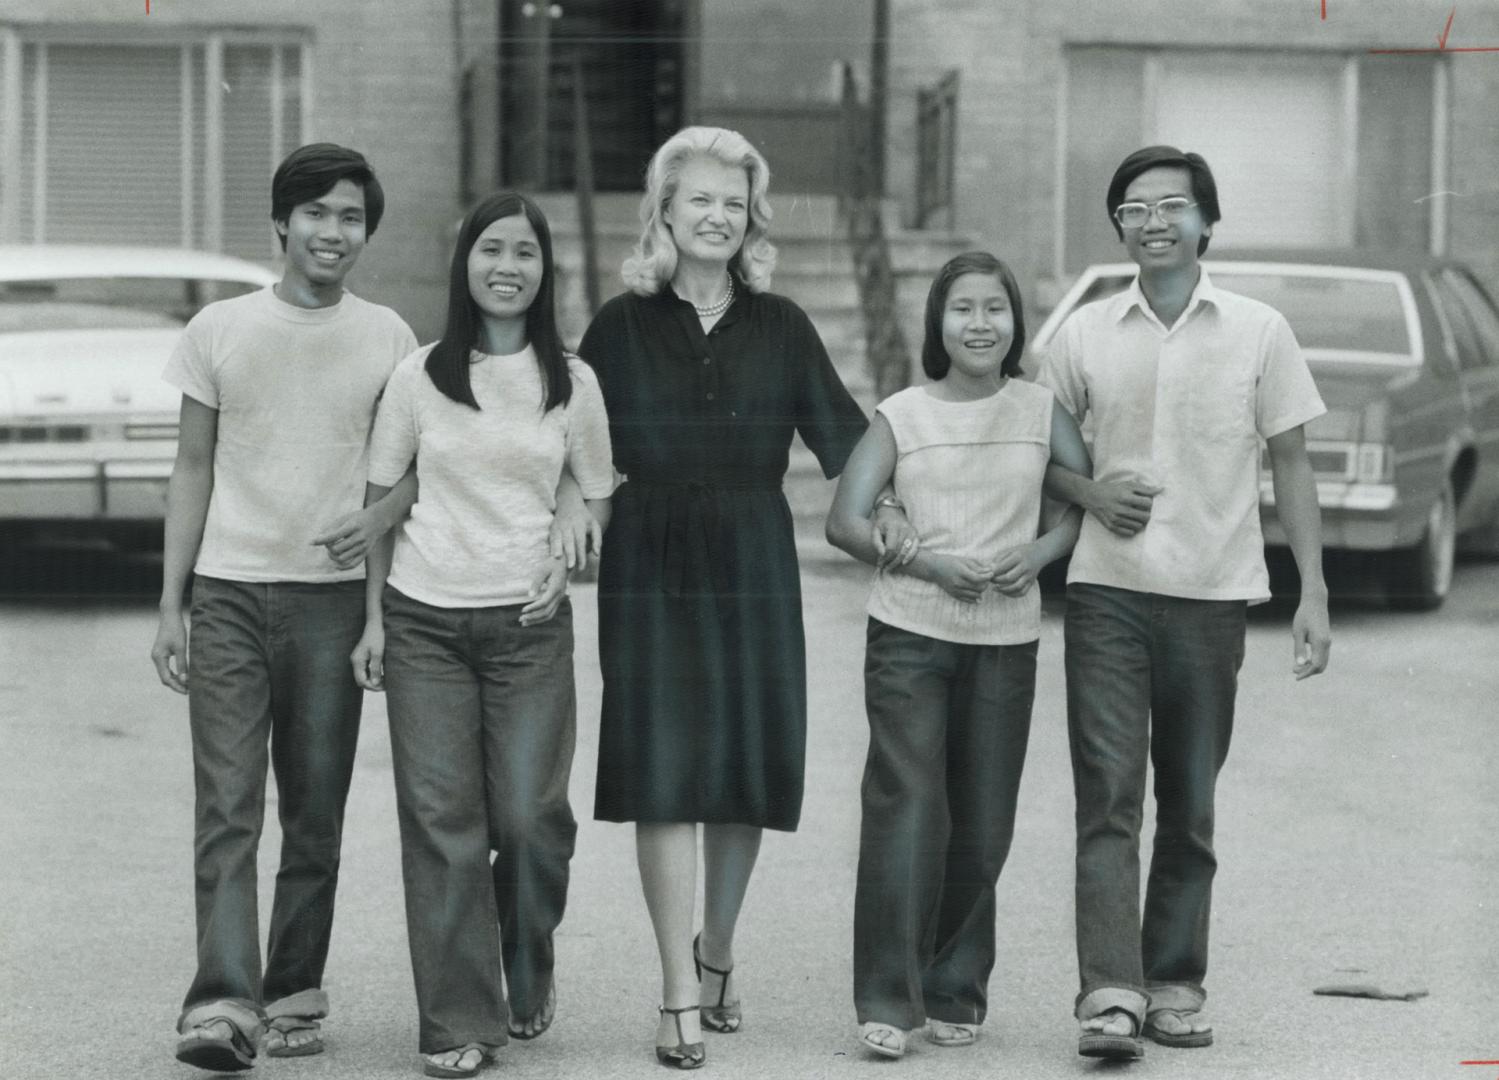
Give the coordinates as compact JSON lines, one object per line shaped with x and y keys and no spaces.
{"x":1182,"y":380}
{"x":279,"y":389}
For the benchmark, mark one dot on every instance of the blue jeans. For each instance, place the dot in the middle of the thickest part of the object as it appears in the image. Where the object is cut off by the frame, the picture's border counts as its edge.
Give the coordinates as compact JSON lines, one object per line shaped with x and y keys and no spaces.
{"x":483,"y":720}
{"x":269,"y":663}
{"x":1147,"y":675}
{"x":948,"y":726}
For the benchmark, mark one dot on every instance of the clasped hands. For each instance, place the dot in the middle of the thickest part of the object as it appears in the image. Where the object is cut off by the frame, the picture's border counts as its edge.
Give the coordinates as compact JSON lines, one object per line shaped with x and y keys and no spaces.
{"x":966,"y":579}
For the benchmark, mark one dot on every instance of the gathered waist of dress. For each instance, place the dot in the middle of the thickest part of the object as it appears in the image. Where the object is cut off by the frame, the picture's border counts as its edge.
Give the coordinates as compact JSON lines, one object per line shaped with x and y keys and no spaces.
{"x":704,"y":482}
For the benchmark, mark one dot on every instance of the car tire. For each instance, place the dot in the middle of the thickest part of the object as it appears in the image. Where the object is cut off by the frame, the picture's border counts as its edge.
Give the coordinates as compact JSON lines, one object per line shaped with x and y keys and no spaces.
{"x":1421,"y":576}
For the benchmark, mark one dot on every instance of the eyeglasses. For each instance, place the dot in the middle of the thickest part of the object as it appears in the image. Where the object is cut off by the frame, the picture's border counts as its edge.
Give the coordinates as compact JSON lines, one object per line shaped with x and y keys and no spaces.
{"x":1134,"y":215}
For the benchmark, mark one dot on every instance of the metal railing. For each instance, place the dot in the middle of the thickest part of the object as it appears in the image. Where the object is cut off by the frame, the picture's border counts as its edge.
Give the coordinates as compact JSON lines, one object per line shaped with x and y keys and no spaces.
{"x":862,"y":202}
{"x":936,"y":148}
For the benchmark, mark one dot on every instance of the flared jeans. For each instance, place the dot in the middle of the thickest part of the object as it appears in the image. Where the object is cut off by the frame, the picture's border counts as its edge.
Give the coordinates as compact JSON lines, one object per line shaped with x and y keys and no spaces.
{"x":482,"y":727}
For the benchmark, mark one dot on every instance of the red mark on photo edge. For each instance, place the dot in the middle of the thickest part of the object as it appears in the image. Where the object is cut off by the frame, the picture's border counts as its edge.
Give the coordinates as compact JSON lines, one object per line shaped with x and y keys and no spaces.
{"x":1441,"y":48}
{"x":1478,"y":1062}
{"x":1324,"y":9}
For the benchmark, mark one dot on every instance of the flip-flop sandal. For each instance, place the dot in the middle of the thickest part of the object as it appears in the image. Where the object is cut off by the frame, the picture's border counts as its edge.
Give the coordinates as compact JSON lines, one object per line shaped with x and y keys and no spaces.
{"x":549,"y":1010}
{"x":870,"y":1028}
{"x":951,"y":1033}
{"x":457,"y":1072}
{"x":281,"y":1026}
{"x":1182,"y":1040}
{"x":205,"y":1051}
{"x":1099,"y":1044}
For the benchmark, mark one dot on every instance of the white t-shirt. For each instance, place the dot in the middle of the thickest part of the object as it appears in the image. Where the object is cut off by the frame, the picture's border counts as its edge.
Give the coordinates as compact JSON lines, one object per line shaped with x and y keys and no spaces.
{"x":969,"y":474}
{"x":486,"y":478}
{"x":1185,"y":408}
{"x":295,"y":389}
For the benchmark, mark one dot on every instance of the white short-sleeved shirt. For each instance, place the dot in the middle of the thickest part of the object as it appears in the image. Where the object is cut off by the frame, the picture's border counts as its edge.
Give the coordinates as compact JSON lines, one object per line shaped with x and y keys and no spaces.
{"x":969,"y":473}
{"x":296,"y":390}
{"x":1185,"y":408}
{"x":487,"y":477}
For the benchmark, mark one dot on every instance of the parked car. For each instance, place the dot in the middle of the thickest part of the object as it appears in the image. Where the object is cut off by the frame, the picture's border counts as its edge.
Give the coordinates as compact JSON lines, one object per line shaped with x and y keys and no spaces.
{"x":1405,"y":352}
{"x":88,"y":429}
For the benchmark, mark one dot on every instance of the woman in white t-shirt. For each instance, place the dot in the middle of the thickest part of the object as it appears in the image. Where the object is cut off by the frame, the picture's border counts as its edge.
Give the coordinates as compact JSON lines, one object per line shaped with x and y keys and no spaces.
{"x":950,"y":664}
{"x":469,"y":631}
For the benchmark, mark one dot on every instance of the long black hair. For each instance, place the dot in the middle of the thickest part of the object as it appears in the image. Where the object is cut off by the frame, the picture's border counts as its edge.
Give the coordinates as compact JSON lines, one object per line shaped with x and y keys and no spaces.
{"x":448,"y":362}
{"x":934,"y":359}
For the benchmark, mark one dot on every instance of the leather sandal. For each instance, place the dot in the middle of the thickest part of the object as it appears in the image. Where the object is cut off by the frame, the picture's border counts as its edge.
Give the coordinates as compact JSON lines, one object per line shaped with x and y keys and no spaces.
{"x":684,"y":1055}
{"x":894,"y":1048}
{"x":278,"y":1043}
{"x":545,"y":1017}
{"x":1179,"y":1039}
{"x":1101,"y":1044}
{"x":722,"y":1016}
{"x":456,"y":1071}
{"x":951,"y":1033}
{"x":200,"y":1047}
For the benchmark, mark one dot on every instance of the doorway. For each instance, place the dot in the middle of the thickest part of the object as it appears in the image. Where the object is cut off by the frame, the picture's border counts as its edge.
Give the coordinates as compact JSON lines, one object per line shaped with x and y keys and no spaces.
{"x":630,"y":55}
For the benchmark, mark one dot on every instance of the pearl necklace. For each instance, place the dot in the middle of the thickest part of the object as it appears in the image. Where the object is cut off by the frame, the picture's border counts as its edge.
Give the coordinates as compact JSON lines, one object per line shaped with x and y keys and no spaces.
{"x":718,"y":307}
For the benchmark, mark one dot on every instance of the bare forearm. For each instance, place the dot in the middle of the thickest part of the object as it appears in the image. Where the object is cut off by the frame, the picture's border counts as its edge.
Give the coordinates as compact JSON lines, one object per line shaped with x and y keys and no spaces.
{"x":377,"y":562}
{"x":397,"y":501}
{"x":1067,"y":486}
{"x":1061,"y":537}
{"x":188,"y":493}
{"x":1296,"y":505}
{"x":601,"y":509}
{"x":853,"y":534}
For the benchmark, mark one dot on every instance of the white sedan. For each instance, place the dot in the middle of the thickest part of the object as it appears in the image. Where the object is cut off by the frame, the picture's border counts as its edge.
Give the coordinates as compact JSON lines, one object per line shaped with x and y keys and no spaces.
{"x":88,"y":429}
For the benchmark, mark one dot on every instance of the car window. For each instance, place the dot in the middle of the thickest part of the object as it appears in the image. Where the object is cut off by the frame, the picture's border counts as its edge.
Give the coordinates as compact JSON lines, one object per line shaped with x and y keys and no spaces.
{"x":1459,"y":324}
{"x":1326,"y":312}
{"x":1102,"y":287}
{"x":108,"y":303}
{"x":1480,"y":310}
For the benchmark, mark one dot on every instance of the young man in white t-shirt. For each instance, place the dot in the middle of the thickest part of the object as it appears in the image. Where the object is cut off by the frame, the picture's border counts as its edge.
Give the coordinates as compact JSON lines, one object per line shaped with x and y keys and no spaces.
{"x":279,"y":389}
{"x":1183,"y":380}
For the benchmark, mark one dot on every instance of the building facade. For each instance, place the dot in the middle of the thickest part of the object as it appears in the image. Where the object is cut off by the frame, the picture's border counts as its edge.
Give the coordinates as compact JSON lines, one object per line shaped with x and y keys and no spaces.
{"x":119,"y":126}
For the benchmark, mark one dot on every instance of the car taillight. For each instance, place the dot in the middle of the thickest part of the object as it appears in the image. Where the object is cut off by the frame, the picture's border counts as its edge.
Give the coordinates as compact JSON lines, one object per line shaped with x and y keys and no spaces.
{"x":1374,"y":463}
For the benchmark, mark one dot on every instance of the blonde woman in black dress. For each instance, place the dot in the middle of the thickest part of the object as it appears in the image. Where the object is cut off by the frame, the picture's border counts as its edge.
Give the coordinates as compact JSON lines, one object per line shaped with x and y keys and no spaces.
{"x":706,"y":375}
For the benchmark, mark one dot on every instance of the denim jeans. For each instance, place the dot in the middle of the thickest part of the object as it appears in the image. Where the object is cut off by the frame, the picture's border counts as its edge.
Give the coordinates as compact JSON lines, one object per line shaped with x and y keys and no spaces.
{"x":948,"y":726}
{"x":1147,"y":675}
{"x":482,"y":725}
{"x":269,"y":663}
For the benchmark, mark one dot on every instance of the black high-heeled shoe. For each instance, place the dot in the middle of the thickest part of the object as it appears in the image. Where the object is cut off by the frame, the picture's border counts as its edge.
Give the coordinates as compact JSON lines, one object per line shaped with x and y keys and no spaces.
{"x":724,"y":1016}
{"x":684,"y":1055}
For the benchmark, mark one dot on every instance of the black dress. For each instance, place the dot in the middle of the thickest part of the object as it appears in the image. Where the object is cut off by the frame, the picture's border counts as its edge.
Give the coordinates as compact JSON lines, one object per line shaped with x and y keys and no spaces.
{"x":700,"y":622}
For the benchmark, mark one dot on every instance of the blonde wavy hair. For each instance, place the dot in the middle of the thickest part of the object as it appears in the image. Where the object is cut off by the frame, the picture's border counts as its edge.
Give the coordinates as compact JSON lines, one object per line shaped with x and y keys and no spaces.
{"x":654,"y":259}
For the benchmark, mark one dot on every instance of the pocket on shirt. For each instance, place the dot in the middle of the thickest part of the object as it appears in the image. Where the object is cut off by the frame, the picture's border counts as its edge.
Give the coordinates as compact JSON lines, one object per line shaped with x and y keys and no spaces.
{"x":1222,"y":405}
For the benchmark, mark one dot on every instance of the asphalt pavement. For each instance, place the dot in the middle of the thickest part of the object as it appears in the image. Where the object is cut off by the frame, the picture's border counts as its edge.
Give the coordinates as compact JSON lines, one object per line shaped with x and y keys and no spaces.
{"x":1356,"y":839}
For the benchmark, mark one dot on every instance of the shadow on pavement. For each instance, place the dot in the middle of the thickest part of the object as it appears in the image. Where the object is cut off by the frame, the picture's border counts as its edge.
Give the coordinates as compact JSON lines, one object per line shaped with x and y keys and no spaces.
{"x":46,"y":574}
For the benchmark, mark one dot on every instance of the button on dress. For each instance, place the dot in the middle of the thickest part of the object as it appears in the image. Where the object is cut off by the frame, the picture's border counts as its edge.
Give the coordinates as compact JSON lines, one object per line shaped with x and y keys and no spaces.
{"x":700,"y":628}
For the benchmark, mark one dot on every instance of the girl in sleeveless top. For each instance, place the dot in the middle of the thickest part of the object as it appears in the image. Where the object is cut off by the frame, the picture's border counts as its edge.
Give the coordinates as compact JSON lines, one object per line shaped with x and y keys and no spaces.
{"x":950,"y":664}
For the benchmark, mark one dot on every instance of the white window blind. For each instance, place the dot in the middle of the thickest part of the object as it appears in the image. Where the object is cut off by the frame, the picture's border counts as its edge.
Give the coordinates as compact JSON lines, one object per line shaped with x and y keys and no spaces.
{"x":1275,"y":131}
{"x":115,"y":142}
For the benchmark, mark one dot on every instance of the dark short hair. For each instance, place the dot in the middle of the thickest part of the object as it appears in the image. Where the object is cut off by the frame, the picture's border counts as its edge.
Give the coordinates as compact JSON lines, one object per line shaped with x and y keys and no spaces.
{"x":934,"y":359}
{"x":310,"y":172}
{"x":1204,"y":187}
{"x":448,"y":362}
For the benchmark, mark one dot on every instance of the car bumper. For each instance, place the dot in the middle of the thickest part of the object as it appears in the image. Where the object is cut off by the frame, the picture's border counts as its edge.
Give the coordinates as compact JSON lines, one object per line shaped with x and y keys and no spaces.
{"x":129,"y":489}
{"x":1356,"y":517}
